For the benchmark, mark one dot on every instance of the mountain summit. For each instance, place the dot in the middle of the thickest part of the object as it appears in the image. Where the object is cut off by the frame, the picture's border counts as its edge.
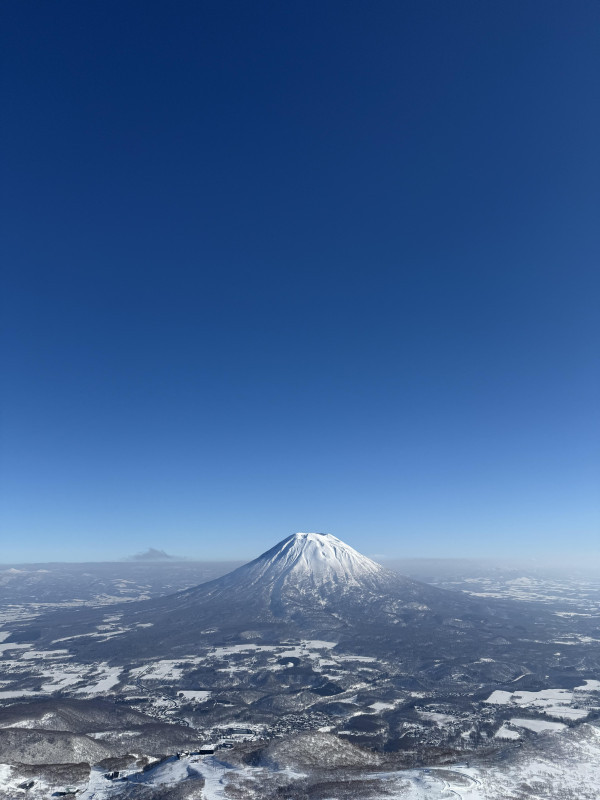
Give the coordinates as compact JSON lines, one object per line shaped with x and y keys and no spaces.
{"x":317,"y":559}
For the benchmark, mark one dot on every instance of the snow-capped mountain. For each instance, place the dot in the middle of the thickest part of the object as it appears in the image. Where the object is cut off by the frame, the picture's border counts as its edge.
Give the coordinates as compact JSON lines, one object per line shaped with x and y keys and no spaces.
{"x":317,"y":559}
{"x":304,"y":574}
{"x":310,"y":584}
{"x":310,"y":563}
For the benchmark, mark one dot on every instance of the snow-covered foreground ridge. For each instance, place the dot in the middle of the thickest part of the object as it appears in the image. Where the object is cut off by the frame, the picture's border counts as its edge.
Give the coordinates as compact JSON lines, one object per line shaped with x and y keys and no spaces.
{"x":562,"y":766}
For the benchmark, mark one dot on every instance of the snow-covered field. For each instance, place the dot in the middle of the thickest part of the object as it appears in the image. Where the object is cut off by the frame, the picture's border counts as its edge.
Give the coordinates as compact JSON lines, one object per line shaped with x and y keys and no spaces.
{"x":560,"y":703}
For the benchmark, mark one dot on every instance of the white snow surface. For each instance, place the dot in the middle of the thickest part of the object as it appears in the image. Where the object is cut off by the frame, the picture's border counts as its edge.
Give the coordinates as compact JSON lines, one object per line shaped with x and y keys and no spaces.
{"x":199,"y":695}
{"x":507,"y":733}
{"x":554,"y":702}
{"x":315,"y":559}
{"x":322,"y":555}
{"x":537,"y":725}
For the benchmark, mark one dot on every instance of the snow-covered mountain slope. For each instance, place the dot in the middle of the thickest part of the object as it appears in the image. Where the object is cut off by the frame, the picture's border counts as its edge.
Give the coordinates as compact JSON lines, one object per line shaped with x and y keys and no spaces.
{"x":319,"y":559}
{"x":308,"y":570}
{"x":309,"y":585}
{"x":313,"y":580}
{"x":311,"y":562}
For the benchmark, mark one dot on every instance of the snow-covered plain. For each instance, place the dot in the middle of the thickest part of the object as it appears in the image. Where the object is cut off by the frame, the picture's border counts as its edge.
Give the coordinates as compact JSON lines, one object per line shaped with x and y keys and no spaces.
{"x":560,"y":703}
{"x":537,"y":725}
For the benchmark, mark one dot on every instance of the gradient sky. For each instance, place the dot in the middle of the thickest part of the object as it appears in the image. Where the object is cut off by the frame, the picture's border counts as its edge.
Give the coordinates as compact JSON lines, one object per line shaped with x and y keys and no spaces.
{"x":280,"y":266}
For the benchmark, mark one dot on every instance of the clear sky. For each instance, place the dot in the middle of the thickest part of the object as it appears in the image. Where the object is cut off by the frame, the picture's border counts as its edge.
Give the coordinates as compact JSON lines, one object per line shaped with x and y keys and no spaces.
{"x":306,"y":265}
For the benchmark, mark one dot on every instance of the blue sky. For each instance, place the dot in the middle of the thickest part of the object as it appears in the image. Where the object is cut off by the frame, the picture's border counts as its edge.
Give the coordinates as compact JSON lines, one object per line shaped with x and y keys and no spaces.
{"x":321,"y":266}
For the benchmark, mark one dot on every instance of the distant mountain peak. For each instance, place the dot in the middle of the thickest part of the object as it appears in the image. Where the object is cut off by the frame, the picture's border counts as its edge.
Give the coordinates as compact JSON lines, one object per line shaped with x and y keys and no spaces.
{"x":152,"y":554}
